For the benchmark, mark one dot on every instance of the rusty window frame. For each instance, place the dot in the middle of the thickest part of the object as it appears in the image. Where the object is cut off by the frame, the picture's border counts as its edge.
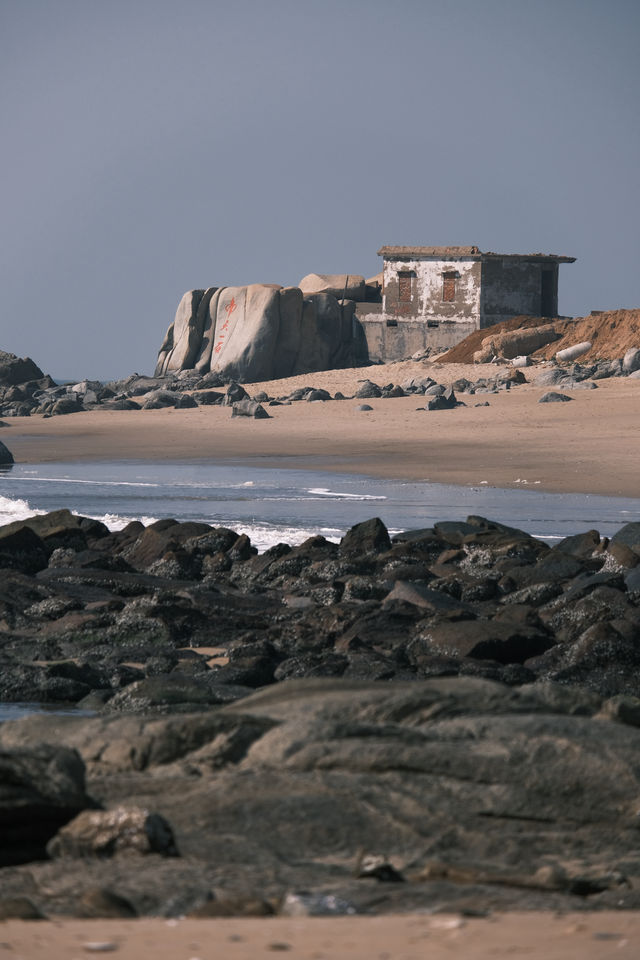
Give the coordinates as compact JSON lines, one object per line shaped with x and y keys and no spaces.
{"x":449,"y":278}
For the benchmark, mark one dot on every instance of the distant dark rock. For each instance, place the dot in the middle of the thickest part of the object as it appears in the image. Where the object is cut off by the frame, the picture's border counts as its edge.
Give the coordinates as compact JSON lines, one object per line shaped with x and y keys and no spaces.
{"x":368,"y":390}
{"x":235,"y":393}
{"x":249,"y":408}
{"x":553,"y":397}
{"x":371,"y":536}
{"x":443,"y":401}
{"x":64,"y":405}
{"x":6,"y":457}
{"x":14,"y":370}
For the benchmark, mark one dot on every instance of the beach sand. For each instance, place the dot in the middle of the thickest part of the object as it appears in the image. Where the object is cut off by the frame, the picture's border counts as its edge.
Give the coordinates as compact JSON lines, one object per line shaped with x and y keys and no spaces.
{"x":583,"y":936}
{"x":590,"y":445}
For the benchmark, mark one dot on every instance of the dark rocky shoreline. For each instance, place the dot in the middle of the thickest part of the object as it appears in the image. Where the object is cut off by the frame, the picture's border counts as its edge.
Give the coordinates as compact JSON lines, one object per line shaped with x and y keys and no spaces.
{"x":445,"y":720}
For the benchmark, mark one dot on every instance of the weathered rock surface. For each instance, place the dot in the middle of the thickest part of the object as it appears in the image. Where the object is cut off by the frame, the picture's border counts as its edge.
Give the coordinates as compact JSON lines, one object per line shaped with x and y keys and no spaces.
{"x":554,"y":397}
{"x":342,"y":286}
{"x":475,"y":794}
{"x":264,"y":331}
{"x":460,"y":704}
{"x":105,"y":833}
{"x":41,"y":789}
{"x":14,"y":370}
{"x":515,"y":343}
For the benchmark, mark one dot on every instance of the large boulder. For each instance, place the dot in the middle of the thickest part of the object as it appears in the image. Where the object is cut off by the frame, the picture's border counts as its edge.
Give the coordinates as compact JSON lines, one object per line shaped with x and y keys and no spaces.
{"x":631,"y":360}
{"x":515,"y":343}
{"x":262,"y":331}
{"x":290,"y":332}
{"x":315,"y":350}
{"x":342,"y":286}
{"x":246,"y":332}
{"x":482,"y":796}
{"x":184,"y":336}
{"x":41,"y":789}
{"x":15,"y":370}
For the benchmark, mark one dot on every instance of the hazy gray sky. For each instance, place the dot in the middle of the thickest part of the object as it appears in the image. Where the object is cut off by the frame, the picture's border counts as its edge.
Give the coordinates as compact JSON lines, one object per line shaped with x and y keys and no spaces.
{"x":153,"y":146}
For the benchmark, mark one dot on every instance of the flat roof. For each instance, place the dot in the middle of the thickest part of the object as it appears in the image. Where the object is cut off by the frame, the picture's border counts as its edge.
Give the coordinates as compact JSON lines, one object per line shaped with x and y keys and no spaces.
{"x":470,"y":251}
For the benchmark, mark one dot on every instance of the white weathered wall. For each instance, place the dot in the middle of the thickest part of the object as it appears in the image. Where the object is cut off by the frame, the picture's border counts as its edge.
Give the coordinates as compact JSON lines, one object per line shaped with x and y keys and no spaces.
{"x":427,"y":297}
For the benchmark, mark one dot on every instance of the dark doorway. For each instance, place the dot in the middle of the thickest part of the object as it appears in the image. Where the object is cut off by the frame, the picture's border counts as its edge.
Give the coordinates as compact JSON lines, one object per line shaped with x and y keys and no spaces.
{"x":548,"y":294}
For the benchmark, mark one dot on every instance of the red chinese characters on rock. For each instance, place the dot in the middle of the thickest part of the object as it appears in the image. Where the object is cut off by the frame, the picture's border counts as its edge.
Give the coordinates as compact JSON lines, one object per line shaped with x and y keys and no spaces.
{"x":228,"y":308}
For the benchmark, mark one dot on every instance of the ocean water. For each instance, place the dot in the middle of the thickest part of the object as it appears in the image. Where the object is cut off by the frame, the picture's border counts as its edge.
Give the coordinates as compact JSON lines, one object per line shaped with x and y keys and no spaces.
{"x":13,"y":711}
{"x":289,"y":505}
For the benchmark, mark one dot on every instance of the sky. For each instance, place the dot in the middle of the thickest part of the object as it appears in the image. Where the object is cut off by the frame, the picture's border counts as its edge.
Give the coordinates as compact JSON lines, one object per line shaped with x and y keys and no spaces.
{"x":154,"y":146}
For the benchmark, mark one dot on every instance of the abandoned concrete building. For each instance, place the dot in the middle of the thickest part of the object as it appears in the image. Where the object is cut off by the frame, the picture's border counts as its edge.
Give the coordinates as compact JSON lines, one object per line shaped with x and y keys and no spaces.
{"x":426,"y":300}
{"x":433,"y":297}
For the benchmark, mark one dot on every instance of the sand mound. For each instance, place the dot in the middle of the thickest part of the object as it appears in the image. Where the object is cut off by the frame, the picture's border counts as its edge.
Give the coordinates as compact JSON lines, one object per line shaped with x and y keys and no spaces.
{"x":611,"y":335}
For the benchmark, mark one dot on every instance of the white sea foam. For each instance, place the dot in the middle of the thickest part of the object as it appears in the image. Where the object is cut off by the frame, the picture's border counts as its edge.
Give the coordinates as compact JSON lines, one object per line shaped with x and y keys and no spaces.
{"x":98,"y":483}
{"x":116,"y":522}
{"x":13,"y":509}
{"x":324,"y":492}
{"x":262,"y":535}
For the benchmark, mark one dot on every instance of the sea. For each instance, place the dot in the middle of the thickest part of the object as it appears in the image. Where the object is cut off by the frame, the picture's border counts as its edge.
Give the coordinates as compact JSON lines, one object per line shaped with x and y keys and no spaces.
{"x":288,"y":505}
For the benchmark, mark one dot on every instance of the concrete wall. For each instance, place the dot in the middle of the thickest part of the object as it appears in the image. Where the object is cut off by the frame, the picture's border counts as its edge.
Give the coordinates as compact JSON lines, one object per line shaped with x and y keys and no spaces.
{"x":381,"y":338}
{"x":514,"y":287}
{"x":427,"y":289}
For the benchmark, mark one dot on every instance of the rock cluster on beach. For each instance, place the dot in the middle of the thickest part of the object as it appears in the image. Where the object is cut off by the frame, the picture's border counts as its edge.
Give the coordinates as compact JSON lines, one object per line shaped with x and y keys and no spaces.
{"x":188,"y":389}
{"x":448,"y":718}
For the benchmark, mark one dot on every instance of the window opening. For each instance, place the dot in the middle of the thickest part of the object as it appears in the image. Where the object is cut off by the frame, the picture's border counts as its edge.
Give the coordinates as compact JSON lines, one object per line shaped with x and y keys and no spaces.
{"x":405,"y":285}
{"x":449,"y":286}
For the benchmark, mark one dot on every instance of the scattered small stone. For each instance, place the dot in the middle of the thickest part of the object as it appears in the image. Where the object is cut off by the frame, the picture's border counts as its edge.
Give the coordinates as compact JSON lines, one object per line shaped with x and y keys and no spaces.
{"x":447,"y":923}
{"x":278,"y":945}
{"x":553,"y":397}
{"x":379,"y":868}
{"x":100,"y":946}
{"x":364,"y":407}
{"x":249,"y":408}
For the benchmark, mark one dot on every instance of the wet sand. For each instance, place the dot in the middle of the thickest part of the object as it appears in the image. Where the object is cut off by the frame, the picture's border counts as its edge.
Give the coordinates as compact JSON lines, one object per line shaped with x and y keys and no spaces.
{"x":590,"y":445}
{"x":583,"y":936}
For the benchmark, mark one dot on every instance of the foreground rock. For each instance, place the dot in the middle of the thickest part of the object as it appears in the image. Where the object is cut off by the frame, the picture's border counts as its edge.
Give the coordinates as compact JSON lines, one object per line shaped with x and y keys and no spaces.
{"x":41,"y":789}
{"x":180,"y":616}
{"x":445,"y":719}
{"x":341,"y":796}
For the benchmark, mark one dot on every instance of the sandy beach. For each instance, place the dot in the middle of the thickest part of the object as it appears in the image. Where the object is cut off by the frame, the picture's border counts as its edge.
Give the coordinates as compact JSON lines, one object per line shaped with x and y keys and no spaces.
{"x":589,"y":445}
{"x":583,"y":936}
